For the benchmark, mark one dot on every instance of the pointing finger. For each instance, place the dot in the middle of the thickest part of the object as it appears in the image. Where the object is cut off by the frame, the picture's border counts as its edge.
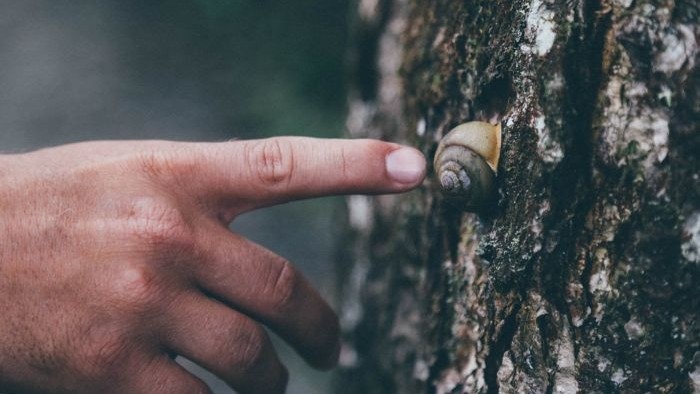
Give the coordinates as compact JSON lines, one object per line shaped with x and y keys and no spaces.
{"x":256,"y":173}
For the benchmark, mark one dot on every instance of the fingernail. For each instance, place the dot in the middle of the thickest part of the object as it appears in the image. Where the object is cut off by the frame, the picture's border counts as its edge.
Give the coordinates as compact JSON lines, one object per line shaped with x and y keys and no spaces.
{"x":406,"y":165}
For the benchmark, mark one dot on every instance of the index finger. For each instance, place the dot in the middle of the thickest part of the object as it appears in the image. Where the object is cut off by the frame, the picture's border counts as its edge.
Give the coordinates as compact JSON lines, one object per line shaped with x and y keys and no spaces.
{"x":255,"y":173}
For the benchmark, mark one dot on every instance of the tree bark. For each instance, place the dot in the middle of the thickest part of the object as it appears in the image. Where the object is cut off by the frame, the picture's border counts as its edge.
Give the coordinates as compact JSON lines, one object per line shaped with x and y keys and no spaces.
{"x":583,"y":277}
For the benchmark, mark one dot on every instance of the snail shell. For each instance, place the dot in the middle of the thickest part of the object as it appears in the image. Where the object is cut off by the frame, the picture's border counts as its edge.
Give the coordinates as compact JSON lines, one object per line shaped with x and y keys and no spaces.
{"x":466,"y":162}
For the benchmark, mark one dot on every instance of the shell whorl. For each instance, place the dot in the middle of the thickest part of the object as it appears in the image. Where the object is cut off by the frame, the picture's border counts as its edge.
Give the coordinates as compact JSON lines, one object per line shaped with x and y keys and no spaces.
{"x":466,"y":162}
{"x":453,"y":177}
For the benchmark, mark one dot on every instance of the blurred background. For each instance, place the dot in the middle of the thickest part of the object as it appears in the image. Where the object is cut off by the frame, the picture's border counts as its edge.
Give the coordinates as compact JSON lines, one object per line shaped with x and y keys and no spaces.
{"x":186,"y":70}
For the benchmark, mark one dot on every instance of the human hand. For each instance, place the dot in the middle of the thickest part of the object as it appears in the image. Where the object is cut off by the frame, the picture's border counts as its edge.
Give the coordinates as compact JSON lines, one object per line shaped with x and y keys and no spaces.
{"x":116,"y":256}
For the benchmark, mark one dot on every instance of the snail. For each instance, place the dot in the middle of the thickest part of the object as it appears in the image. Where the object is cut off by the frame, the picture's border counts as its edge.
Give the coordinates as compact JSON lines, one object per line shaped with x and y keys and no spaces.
{"x":466,"y":163}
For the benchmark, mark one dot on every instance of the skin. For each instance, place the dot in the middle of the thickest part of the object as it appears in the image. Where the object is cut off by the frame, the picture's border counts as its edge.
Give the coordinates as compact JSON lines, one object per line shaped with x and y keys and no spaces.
{"x":115,"y":257}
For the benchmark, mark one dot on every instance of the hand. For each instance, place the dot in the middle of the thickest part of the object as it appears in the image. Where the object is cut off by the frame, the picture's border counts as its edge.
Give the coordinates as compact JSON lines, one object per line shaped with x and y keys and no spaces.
{"x":116,"y":256}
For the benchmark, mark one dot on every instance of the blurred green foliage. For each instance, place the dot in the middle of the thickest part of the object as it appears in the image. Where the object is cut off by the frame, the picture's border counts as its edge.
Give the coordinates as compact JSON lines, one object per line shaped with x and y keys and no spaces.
{"x":273,"y":67}
{"x":213,"y":9}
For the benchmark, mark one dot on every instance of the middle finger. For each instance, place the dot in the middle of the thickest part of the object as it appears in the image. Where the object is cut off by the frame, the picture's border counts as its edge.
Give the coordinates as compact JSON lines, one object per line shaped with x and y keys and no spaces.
{"x":265,"y":286}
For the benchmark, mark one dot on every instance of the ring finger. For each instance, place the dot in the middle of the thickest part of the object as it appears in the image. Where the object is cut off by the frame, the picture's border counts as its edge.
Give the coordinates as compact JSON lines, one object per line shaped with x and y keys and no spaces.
{"x":225,"y":342}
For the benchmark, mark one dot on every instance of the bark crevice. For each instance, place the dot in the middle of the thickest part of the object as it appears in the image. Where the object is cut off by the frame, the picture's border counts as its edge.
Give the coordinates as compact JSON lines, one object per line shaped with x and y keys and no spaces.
{"x":497,"y":350}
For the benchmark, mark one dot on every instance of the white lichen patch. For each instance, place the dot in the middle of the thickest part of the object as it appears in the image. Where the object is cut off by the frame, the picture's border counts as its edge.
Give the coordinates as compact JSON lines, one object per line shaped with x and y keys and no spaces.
{"x":463,"y":375}
{"x":421,"y":127}
{"x":506,"y":371}
{"x":665,"y":95}
{"x":598,"y":283}
{"x":603,"y":364}
{"x":359,"y":120}
{"x":549,"y":149}
{"x":537,"y":226}
{"x":449,"y":380}
{"x":679,"y":47}
{"x":348,"y":356}
{"x":471,"y":322}
{"x":439,"y":38}
{"x":612,"y":219}
{"x":389,"y":62}
{"x":469,"y":371}
{"x":351,"y":305}
{"x":649,"y":132}
{"x":421,"y":370}
{"x":536,"y":247}
{"x":634,"y":329}
{"x":540,"y":29}
{"x":690,"y":248}
{"x":623,"y":3}
{"x":695,"y":379}
{"x":618,"y":377}
{"x":565,"y":377}
{"x":660,"y":139}
{"x":640,"y":136}
{"x":360,"y":212}
{"x":368,"y":10}
{"x":555,"y":84}
{"x":578,"y":318}
{"x":406,"y":325}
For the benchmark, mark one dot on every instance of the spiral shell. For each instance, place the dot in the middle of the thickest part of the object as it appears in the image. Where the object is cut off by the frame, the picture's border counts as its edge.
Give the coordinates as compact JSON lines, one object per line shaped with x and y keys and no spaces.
{"x":466,"y":162}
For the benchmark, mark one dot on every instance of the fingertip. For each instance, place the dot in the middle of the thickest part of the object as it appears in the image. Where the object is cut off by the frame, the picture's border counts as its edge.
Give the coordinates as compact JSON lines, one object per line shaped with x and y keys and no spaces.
{"x":291,"y":168}
{"x":406,"y":166}
{"x":323,"y":354}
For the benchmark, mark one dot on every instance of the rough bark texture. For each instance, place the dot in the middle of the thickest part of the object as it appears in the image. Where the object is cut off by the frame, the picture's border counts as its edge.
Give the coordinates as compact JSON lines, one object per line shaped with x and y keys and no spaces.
{"x":584,"y":276}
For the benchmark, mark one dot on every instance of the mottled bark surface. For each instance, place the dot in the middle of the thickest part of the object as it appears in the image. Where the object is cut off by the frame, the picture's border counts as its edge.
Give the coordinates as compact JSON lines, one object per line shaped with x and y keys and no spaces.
{"x":585,"y":274}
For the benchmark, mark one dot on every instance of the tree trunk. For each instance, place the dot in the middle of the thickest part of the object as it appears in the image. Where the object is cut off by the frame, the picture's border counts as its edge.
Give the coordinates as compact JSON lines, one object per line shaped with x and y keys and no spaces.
{"x":584,"y":274}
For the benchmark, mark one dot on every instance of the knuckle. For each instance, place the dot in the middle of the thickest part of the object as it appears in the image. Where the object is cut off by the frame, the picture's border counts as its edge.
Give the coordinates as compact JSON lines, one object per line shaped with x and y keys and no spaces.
{"x":102,"y":353}
{"x":346,"y":161}
{"x":271,"y":161}
{"x":136,"y":287}
{"x":169,"y":162}
{"x":159,"y":223}
{"x":251,"y":344}
{"x":354,"y":159}
{"x":283,"y":285}
{"x":107,"y":354}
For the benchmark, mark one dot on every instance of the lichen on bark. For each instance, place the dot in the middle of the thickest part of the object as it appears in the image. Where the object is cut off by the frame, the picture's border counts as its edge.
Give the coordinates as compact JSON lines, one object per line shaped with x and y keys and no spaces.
{"x":584,"y":274}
